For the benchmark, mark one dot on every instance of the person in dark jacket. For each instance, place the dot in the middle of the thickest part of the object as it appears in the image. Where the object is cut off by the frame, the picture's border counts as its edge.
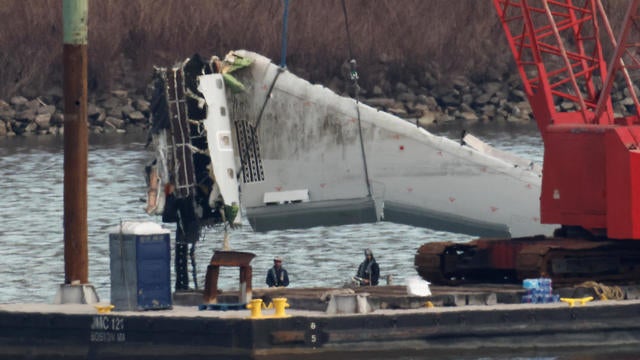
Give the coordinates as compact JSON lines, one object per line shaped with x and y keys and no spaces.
{"x":368,"y":271}
{"x":277,"y":276}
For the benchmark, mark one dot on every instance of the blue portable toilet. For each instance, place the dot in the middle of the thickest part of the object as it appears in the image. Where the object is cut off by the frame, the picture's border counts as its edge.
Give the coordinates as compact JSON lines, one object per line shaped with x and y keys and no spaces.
{"x":140,"y":266}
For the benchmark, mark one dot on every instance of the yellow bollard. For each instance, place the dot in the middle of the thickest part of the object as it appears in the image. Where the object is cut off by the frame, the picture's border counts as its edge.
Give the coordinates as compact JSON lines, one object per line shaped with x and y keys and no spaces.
{"x":104,"y":309}
{"x":428,"y":304}
{"x":256,"y":308}
{"x":280,"y":304}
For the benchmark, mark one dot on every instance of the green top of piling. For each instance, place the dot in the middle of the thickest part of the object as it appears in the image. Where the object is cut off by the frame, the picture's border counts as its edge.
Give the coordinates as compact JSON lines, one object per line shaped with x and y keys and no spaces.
{"x":75,"y":15}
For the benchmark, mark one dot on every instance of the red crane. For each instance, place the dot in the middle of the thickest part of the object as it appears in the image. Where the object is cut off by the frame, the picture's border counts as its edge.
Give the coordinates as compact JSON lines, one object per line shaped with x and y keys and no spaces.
{"x":591,"y":170}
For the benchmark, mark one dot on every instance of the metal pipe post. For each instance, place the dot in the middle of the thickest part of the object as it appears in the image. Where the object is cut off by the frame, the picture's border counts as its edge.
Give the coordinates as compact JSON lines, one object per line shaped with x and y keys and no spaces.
{"x":76,"y":142}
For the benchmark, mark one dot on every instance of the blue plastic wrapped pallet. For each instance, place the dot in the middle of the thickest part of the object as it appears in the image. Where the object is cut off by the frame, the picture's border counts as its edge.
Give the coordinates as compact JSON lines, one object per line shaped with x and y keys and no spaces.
{"x":539,"y":291}
{"x":140,"y":267}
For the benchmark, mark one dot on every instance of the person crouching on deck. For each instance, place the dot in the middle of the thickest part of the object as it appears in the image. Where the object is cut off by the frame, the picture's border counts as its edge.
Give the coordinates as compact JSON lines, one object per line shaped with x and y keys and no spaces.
{"x":277,"y":276}
{"x":368,"y":271}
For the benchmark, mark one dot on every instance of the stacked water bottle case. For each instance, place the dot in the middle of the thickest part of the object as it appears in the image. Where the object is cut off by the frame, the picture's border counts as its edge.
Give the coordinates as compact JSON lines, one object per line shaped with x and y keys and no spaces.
{"x":539,"y":291}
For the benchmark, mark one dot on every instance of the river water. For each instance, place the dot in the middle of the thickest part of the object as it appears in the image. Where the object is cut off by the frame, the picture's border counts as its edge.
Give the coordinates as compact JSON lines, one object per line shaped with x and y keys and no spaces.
{"x":31,"y":169}
{"x":32,"y":232}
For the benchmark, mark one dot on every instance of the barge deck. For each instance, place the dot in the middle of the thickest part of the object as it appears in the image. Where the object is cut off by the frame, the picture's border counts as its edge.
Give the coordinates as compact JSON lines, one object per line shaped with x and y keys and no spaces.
{"x":43,"y":331}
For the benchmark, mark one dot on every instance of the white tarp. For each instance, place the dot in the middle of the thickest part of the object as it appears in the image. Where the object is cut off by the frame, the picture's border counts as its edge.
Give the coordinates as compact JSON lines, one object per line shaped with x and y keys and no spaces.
{"x":138,"y":228}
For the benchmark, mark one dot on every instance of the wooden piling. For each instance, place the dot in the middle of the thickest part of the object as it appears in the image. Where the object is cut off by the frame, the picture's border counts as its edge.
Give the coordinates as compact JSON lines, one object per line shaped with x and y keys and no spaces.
{"x":75,"y":13}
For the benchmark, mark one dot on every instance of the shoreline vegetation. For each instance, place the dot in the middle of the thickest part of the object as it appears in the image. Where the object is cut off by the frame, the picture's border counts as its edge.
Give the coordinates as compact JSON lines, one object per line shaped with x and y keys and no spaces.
{"x":430,"y":62}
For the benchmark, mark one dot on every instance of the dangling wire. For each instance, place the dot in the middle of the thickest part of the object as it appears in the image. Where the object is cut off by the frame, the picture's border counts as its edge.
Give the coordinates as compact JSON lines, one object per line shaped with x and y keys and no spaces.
{"x":283,"y":61}
{"x":194,"y":272}
{"x":266,"y":99}
{"x":353,"y":76}
{"x":285,"y":18}
{"x":346,"y":25}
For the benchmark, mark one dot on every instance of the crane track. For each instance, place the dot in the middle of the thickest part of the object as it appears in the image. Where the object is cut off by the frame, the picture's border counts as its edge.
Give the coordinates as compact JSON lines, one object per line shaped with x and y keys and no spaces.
{"x":565,"y":261}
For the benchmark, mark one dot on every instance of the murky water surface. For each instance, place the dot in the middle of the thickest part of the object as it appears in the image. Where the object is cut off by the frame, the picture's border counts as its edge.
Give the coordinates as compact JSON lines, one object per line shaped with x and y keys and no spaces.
{"x":31,"y":233}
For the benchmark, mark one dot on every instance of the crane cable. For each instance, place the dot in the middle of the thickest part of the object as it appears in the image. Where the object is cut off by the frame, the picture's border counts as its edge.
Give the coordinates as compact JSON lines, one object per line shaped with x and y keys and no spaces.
{"x":283,"y":61}
{"x":285,"y":18}
{"x":353,"y":75}
{"x":604,"y":292}
{"x":281,"y":69}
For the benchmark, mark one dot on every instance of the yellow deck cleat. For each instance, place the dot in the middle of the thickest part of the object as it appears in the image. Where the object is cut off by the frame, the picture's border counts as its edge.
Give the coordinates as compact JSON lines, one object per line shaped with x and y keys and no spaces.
{"x":279,"y":304}
{"x":573,"y":301}
{"x":104,"y":309}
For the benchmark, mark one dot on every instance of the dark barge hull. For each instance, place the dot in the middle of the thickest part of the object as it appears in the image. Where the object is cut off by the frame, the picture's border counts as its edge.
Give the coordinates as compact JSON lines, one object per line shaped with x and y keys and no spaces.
{"x":52,"y":333}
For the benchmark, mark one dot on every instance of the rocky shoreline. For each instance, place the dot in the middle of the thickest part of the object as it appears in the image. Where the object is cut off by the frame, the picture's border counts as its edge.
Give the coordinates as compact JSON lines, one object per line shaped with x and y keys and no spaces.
{"x":420,"y":99}
{"x":112,"y":112}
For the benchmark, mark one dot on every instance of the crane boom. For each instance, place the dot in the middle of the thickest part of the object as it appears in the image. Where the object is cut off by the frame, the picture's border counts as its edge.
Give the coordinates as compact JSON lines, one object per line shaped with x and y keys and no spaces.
{"x":623,"y":48}
{"x":590,"y":158}
{"x":591,"y":169}
{"x":551,"y":69}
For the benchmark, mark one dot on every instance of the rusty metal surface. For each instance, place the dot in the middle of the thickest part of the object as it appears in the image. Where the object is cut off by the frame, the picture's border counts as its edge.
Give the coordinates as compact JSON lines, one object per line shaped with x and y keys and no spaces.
{"x":579,"y":261}
{"x":210,"y":293}
{"x":565,"y":261}
{"x":232,"y":258}
{"x":228,"y":258}
{"x":287,"y":337}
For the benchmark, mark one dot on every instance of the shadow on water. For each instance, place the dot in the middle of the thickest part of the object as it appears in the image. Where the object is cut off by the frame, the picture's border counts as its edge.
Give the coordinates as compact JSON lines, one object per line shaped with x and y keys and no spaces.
{"x":583,"y":353}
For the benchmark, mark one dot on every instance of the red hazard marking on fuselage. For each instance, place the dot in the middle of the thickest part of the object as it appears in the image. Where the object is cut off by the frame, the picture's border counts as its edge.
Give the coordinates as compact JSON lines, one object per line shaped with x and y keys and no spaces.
{"x":493,"y":209}
{"x":452,"y":199}
{"x":401,"y":147}
{"x":278,"y":188}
